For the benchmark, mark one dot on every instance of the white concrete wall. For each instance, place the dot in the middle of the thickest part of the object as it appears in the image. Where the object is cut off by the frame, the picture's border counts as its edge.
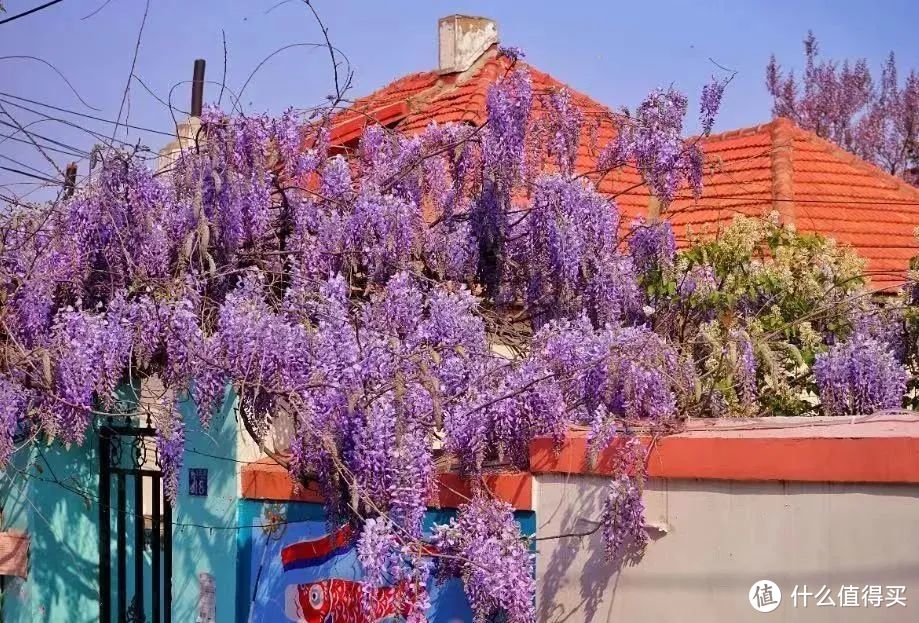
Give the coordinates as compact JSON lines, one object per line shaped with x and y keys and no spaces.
{"x":722,"y":537}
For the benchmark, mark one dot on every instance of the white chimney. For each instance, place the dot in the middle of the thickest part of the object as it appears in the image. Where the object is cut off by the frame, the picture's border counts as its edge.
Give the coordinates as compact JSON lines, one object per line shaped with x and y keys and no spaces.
{"x":463,"y":39}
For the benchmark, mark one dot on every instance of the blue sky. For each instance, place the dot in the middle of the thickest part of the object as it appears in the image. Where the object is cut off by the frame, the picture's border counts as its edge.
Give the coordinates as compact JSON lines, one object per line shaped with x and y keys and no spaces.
{"x":614,"y":51}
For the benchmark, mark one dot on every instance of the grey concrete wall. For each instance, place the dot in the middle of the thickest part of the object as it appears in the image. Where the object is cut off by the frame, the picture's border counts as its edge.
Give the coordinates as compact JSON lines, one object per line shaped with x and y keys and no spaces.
{"x":720,"y":537}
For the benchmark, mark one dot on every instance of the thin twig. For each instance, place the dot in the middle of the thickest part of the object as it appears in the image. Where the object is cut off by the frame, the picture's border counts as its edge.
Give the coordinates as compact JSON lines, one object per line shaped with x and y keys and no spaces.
{"x":127,"y":86}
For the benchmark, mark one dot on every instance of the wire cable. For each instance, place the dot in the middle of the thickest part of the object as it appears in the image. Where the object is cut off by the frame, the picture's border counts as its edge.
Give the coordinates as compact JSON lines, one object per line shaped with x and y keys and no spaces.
{"x":80,"y":114}
{"x":13,"y":18}
{"x":10,"y":137}
{"x":27,"y":174}
{"x":84,"y":154}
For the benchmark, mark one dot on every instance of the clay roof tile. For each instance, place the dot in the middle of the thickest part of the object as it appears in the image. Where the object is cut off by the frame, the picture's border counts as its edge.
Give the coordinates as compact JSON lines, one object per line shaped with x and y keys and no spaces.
{"x":776,"y":166}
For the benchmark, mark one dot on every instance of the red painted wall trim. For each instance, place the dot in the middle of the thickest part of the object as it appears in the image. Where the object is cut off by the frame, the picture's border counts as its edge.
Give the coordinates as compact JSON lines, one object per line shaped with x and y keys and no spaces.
{"x":266,"y":480}
{"x":878,"y":450}
{"x":756,"y":457}
{"x":515,"y":488}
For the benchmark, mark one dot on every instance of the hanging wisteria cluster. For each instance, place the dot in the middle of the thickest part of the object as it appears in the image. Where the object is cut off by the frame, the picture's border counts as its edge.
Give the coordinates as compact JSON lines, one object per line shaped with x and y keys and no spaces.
{"x":860,"y":375}
{"x":428,"y":300}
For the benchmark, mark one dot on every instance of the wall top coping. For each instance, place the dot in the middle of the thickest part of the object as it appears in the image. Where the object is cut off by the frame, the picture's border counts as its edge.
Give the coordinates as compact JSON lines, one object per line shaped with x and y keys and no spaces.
{"x":880,"y":448}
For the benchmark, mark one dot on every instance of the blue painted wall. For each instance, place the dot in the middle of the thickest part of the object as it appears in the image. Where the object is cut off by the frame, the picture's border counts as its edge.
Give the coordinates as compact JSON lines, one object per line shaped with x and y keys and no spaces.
{"x":204,"y":537}
{"x":52,"y":494}
{"x":263,"y":581}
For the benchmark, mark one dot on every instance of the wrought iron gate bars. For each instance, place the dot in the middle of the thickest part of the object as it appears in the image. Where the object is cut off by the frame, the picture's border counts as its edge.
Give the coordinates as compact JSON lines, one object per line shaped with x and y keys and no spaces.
{"x":111,"y":437}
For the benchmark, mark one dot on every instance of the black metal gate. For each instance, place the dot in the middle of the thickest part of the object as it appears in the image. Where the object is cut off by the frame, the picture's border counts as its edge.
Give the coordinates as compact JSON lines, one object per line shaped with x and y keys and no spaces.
{"x":131,"y":507}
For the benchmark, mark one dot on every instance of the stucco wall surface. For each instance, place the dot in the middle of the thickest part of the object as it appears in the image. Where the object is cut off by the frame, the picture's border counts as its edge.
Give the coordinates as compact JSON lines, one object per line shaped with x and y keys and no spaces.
{"x":712,"y":540}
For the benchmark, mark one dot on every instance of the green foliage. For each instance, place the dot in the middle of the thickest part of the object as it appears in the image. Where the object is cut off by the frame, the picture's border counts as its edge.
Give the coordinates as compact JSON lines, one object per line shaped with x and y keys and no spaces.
{"x":759,"y":299}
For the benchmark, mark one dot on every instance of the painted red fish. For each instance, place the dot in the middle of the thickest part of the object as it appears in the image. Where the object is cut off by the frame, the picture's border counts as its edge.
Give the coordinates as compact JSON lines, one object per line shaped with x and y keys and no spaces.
{"x":339,"y":601}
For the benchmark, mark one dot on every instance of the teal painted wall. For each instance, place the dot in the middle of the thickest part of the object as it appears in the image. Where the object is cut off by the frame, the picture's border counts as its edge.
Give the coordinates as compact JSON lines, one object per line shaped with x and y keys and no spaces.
{"x":210,"y":549}
{"x":42,"y":494}
{"x":52,"y":493}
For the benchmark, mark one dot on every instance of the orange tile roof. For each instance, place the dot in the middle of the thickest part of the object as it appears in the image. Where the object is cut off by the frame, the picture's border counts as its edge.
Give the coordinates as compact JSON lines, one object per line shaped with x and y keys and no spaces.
{"x":753,"y":171}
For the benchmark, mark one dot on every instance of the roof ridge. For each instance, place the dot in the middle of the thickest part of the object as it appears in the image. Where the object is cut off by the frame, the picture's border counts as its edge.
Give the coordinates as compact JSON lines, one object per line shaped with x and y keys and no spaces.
{"x":761,"y":128}
{"x":899,"y":185}
{"x":781,"y":159}
{"x":571,"y":90}
{"x":447,"y":83}
{"x":486,"y":58}
{"x":403,"y":79}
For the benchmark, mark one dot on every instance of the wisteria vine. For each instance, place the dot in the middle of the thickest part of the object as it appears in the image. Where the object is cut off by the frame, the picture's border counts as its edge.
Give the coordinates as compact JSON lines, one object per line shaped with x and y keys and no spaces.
{"x":427,"y":300}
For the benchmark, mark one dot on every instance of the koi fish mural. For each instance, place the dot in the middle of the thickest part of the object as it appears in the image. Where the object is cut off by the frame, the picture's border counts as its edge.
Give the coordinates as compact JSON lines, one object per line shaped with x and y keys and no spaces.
{"x":339,"y":601}
{"x":334,"y":600}
{"x":306,"y":573}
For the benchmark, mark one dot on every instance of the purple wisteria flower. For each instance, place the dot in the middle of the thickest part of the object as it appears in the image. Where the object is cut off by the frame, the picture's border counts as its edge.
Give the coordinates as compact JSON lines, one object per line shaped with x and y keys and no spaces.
{"x":623,"y":519}
{"x":859,"y":376}
{"x":444,"y":296}
{"x":509,"y":103}
{"x":387,"y":559}
{"x":698,"y":280}
{"x":652,"y":140}
{"x":614,"y":376}
{"x":482,"y":545}
{"x":709,"y":104}
{"x":652,"y":245}
{"x":511,"y":52}
{"x":170,"y":448}
{"x":745,"y":367}
{"x":14,"y":400}
{"x":91,"y":357}
{"x":380,"y":553}
{"x":563,"y":122}
{"x":570,"y":250}
{"x":886,"y":325}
